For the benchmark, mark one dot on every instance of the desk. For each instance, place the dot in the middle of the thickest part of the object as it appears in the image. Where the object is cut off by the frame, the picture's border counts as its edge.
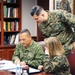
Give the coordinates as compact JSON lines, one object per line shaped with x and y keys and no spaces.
{"x":9,"y":73}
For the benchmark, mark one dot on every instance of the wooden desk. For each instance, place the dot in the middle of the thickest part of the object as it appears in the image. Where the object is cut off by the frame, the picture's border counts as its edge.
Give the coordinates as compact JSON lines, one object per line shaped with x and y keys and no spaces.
{"x":9,"y":73}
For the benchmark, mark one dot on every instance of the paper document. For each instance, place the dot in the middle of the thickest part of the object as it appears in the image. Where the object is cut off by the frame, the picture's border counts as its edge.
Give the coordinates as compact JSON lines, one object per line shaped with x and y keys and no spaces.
{"x":10,"y":66}
{"x":5,"y":65}
{"x":32,"y":70}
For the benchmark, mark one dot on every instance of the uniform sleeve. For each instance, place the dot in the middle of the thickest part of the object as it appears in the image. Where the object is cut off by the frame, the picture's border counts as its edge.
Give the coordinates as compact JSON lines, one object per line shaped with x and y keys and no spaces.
{"x":39,"y":56}
{"x":69,"y":19}
{"x":51,"y":65}
{"x":16,"y":53}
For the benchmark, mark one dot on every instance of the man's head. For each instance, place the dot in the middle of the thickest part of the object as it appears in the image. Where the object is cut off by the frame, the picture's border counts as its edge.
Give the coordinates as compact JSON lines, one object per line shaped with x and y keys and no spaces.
{"x":25,"y":37}
{"x":38,"y":14}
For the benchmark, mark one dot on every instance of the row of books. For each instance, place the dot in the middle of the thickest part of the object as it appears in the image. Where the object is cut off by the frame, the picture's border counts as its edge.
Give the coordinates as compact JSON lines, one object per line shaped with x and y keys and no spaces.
{"x":10,"y":1}
{"x":11,"y":39}
{"x":10,"y":12}
{"x":11,"y":26}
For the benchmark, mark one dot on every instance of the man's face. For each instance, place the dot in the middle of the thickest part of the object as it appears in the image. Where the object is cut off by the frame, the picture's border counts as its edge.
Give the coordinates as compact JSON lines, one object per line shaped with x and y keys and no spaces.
{"x":25,"y":39}
{"x":38,"y":19}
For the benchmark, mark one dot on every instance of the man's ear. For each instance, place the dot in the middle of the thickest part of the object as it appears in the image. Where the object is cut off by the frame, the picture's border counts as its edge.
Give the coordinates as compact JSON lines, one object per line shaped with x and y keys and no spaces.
{"x":43,"y":15}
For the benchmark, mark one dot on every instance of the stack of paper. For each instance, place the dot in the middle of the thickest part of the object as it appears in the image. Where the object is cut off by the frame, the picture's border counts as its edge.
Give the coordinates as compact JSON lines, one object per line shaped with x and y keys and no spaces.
{"x":10,"y":66}
{"x":6,"y":65}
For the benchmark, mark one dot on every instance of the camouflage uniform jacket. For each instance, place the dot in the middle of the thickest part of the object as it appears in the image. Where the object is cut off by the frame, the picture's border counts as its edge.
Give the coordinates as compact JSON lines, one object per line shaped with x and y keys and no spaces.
{"x":59,"y":25}
{"x":57,"y":65}
{"x":33,"y":54}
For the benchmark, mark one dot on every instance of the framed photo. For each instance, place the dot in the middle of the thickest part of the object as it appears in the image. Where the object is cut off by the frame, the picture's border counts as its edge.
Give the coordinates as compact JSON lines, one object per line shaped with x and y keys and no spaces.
{"x":63,"y":4}
{"x":57,"y":2}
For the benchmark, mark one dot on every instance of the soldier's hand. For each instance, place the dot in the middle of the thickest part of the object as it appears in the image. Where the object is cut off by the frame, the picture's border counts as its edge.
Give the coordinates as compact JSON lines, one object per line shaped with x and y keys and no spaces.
{"x":23,"y":63}
{"x":16,"y":61}
{"x":40,"y":67}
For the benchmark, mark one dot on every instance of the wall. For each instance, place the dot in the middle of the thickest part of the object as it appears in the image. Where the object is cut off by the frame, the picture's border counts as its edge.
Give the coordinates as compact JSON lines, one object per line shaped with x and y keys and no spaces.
{"x":50,"y":5}
{"x":27,"y":20}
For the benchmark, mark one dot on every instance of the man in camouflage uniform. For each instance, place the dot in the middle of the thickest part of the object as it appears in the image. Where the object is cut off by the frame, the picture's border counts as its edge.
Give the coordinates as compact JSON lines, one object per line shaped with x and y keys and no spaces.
{"x":64,"y":5}
{"x":28,"y":51}
{"x":56,"y":23}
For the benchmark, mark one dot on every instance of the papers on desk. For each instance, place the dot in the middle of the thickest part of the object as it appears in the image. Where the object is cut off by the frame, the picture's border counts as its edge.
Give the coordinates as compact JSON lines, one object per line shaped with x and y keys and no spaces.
{"x":31,"y":70}
{"x":10,"y":66}
{"x":6,"y":65}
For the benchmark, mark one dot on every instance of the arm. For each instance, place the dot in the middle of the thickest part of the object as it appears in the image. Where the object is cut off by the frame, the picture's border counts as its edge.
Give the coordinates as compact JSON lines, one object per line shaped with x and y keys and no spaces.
{"x":16,"y":55}
{"x":69,"y":18}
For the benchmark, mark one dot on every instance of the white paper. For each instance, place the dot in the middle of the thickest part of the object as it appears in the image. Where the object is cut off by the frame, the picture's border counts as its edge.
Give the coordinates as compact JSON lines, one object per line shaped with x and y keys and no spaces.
{"x":32,"y":70}
{"x":10,"y":66}
{"x":6,"y":64}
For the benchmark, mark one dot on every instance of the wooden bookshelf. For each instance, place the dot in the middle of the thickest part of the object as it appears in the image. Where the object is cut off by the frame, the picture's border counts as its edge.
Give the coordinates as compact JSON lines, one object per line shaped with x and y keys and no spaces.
{"x":10,"y":24}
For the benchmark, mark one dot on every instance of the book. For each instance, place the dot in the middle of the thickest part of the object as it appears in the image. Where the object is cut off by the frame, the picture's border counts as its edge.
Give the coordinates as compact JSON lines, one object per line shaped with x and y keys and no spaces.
{"x":12,"y":39}
{"x":16,"y":39}
{"x":9,"y":26}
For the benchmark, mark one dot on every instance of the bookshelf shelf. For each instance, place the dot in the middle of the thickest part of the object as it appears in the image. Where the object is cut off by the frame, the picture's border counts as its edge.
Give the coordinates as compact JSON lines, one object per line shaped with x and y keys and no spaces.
{"x":10,"y":25}
{"x":5,"y":3}
{"x":11,"y":19}
{"x":11,"y":32}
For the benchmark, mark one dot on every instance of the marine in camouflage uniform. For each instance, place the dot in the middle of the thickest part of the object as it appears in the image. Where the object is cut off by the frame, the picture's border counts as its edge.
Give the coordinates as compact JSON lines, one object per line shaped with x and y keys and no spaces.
{"x":64,"y":5}
{"x":34,"y":54}
{"x":56,"y":65}
{"x":59,"y":25}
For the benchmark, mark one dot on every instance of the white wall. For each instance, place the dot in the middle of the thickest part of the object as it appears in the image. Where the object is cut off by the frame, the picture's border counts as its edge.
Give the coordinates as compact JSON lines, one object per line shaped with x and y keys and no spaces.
{"x":50,"y":5}
{"x":27,"y":20}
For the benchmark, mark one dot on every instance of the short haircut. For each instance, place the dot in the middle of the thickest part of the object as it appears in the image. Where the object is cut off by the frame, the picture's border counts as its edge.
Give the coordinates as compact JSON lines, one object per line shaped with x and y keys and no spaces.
{"x":36,"y":10}
{"x":25,"y":31}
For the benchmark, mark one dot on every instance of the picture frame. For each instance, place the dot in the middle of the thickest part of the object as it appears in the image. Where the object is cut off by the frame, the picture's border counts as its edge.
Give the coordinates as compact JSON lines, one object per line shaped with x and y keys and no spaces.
{"x":56,"y":5}
{"x":57,"y":2}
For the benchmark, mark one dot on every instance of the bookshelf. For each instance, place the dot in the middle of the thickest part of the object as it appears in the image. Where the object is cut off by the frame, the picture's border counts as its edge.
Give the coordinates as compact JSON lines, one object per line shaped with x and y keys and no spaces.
{"x":10,"y":25}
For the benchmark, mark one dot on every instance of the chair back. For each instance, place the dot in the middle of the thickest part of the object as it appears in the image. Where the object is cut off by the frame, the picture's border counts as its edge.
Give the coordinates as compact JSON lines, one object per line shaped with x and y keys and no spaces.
{"x":71,"y":60}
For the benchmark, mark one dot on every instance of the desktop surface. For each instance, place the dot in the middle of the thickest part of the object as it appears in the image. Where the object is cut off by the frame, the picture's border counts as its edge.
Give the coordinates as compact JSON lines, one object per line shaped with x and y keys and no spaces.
{"x":10,"y":73}
{"x":9,"y":68}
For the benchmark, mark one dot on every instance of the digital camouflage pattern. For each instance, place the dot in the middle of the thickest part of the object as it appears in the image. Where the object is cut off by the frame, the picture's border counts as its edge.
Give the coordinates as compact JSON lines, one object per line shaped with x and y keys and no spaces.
{"x":57,"y":65}
{"x":65,"y":5}
{"x":59,"y":25}
{"x":34,"y":54}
